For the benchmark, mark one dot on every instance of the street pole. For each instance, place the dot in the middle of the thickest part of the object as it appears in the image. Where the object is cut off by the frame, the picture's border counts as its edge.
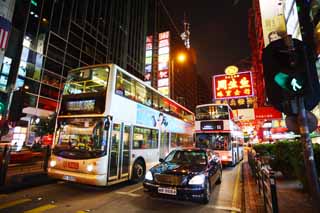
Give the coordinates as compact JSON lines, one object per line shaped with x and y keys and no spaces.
{"x":309,"y":162}
{"x":172,"y":79}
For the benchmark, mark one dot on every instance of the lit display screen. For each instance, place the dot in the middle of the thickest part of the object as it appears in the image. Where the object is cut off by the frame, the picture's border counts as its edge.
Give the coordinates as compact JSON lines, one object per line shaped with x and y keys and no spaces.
{"x":235,"y":86}
{"x":83,"y":105}
{"x":211,"y":125}
{"x":163,"y":63}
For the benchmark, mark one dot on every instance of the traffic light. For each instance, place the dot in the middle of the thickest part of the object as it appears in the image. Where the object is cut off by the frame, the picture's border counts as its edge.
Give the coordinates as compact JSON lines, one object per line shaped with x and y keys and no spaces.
{"x":17,"y":105}
{"x":287,"y":76}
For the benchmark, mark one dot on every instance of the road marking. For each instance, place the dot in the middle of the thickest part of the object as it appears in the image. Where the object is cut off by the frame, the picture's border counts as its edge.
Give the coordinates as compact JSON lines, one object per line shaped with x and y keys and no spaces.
{"x":232,"y":209}
{"x":13,"y":203}
{"x":129,"y":194}
{"x":236,"y":189}
{"x":3,"y":196}
{"x":137,"y":189}
{"x":41,"y":208}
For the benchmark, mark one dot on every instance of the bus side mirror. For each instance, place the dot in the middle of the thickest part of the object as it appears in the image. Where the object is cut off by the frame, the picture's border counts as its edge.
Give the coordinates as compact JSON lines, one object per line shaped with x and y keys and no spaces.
{"x":108,"y":122}
{"x":161,"y":160}
{"x":107,"y":125}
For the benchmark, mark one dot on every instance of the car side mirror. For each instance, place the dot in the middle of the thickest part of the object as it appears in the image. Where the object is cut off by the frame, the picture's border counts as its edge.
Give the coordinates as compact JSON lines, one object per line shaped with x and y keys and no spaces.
{"x":161,"y":160}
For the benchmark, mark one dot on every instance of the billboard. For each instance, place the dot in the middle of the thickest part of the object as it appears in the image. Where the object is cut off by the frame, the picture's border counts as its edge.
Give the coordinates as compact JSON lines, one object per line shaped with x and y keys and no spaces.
{"x":232,"y":86}
{"x":279,"y":17}
{"x":148,"y":61}
{"x":163,"y":63}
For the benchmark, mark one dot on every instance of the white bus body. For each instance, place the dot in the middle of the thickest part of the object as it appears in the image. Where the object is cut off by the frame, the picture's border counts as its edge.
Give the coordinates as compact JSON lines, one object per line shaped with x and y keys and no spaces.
{"x":215,"y":129}
{"x":125,"y":138}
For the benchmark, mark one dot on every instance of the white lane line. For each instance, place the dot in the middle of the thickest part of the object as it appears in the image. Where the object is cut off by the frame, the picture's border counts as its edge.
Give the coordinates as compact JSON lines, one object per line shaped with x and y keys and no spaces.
{"x":228,"y":208}
{"x":129,"y":194}
{"x":137,"y":189}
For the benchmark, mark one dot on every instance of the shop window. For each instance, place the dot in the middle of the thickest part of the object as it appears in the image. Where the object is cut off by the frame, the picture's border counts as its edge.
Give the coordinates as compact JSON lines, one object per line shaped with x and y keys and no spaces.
{"x":47,"y":104}
{"x":49,"y":91}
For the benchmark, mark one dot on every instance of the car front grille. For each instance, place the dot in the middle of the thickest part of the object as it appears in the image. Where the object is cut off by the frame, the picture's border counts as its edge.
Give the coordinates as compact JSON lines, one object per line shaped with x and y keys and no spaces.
{"x":173,"y":180}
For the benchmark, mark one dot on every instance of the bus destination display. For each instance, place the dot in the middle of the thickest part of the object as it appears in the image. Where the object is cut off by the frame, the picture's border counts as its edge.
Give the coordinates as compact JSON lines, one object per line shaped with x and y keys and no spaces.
{"x":211,"y":125}
{"x":81,"y":105}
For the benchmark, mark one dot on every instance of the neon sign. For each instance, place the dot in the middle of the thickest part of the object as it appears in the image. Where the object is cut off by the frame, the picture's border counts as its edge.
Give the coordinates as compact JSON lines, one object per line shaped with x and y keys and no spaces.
{"x":148,"y":66}
{"x":163,"y":63}
{"x":234,"y":86}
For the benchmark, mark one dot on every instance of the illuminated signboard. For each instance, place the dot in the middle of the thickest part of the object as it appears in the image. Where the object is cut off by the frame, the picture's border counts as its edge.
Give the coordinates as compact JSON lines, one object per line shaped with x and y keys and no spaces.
{"x":232,"y":86}
{"x":148,"y":66}
{"x":83,"y":105}
{"x":163,"y":63}
{"x":211,"y":125}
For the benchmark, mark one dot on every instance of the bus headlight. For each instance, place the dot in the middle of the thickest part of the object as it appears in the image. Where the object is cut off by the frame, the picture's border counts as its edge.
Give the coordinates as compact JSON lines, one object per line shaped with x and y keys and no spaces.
{"x":90,"y":168}
{"x":197,"y":180}
{"x":148,"y":176}
{"x":53,"y":163}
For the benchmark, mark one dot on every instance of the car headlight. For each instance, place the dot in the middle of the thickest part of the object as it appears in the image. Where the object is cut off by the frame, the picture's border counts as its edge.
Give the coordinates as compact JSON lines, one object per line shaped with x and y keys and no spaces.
{"x":197,"y":180}
{"x":149,"y":176}
{"x":90,"y":168}
{"x":53,"y":163}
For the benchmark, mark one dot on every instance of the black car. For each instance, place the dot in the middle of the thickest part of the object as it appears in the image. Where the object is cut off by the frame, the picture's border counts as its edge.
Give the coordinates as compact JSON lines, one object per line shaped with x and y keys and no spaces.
{"x":185,"y":173}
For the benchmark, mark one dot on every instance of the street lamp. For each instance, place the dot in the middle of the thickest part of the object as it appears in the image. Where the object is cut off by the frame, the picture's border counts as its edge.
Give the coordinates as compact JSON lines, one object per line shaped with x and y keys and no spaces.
{"x":181,"y":58}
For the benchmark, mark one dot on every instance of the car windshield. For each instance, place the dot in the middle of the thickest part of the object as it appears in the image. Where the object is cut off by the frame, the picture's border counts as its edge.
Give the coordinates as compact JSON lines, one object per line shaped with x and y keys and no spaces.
{"x":81,"y":137}
{"x":194,"y":157}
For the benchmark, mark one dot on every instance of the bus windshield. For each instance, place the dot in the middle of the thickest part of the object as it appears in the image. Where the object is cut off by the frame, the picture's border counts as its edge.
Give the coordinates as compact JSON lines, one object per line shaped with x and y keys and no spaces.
{"x":80,"y":138}
{"x":215,"y":141}
{"x":212,"y":112}
{"x":89,"y":80}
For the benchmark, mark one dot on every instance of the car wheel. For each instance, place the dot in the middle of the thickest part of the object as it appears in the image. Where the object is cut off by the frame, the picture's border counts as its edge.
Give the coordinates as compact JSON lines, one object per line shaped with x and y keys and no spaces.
{"x":206,"y":193}
{"x":220,"y":178}
{"x":138,"y":172}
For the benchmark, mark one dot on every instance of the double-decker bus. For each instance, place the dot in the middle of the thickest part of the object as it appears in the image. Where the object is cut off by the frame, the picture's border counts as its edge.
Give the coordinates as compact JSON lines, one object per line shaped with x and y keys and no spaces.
{"x":215,"y":129}
{"x":112,"y":127}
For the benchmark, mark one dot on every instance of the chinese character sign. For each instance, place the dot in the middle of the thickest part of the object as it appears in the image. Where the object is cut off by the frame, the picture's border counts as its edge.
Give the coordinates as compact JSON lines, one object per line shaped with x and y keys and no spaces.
{"x":148,"y":67}
{"x":232,"y":86}
{"x":163,"y":63}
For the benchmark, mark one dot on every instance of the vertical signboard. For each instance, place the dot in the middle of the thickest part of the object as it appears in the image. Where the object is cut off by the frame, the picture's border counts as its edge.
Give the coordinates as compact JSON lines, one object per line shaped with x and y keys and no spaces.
{"x":273,"y":20}
{"x":163,"y":63}
{"x":279,"y":17}
{"x":148,"y":64}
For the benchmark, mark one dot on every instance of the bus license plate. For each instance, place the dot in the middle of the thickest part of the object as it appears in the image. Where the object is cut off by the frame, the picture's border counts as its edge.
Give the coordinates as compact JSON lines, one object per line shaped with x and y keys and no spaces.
{"x":68,"y":178}
{"x":169,"y":191}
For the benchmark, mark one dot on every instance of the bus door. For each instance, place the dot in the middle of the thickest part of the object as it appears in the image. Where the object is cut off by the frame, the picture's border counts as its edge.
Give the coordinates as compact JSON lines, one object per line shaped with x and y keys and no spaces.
{"x":119,"y":152}
{"x":164,"y":144}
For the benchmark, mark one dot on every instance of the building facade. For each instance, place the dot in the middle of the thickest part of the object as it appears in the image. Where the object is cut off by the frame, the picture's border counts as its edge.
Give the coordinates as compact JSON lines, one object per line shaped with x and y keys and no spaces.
{"x":50,"y":37}
{"x":182,"y":76}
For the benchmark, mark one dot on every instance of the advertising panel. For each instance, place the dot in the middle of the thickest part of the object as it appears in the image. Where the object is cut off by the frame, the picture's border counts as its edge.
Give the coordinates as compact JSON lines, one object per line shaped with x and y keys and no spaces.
{"x":279,"y":17}
{"x":163,"y":63}
{"x":148,"y":64}
{"x":232,"y":86}
{"x":273,"y":20}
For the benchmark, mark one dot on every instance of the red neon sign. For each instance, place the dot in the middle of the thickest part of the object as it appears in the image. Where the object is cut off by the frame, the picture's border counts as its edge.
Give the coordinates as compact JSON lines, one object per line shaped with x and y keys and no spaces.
{"x":235,"y":86}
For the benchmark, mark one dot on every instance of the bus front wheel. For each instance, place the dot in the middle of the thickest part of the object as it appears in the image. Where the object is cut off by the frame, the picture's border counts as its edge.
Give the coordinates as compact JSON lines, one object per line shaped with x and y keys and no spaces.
{"x":138,"y":171}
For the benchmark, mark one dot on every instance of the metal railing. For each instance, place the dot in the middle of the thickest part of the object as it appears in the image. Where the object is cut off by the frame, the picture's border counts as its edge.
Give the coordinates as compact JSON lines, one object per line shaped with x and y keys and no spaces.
{"x":266,"y":182}
{"x":8,"y":169}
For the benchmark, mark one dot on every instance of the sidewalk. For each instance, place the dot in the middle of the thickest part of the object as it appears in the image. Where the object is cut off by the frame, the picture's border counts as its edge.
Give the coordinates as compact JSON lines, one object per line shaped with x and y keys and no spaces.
{"x":290,"y":196}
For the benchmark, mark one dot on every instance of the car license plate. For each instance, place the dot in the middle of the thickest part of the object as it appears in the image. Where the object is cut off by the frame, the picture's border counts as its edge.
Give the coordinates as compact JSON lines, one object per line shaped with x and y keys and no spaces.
{"x":169,"y":191}
{"x":68,"y":178}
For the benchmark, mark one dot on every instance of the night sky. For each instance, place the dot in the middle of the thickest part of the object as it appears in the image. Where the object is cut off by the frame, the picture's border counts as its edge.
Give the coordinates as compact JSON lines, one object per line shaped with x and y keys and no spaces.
{"x":219,"y":31}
